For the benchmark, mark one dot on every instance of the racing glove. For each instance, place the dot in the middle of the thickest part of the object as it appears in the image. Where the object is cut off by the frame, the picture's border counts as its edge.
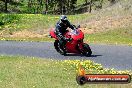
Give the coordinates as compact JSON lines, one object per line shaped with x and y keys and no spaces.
{"x":74,"y":28}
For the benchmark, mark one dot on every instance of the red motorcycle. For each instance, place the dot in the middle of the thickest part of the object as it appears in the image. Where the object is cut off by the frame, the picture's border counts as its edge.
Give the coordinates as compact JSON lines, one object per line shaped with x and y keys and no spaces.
{"x":76,"y":45}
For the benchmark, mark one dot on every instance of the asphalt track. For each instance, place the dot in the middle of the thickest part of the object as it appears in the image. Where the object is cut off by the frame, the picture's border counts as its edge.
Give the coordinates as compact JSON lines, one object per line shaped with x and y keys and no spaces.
{"x":110,"y":56}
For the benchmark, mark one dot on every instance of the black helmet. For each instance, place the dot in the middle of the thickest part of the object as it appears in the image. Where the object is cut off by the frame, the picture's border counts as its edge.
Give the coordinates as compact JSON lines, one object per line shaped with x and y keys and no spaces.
{"x":63,"y":18}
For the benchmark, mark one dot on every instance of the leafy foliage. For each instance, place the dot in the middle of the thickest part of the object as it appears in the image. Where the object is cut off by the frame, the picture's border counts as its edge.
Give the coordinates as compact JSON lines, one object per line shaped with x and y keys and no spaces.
{"x":50,"y":6}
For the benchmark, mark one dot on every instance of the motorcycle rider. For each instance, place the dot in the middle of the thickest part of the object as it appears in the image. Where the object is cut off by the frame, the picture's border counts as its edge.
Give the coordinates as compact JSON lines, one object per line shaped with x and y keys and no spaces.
{"x":61,"y":28}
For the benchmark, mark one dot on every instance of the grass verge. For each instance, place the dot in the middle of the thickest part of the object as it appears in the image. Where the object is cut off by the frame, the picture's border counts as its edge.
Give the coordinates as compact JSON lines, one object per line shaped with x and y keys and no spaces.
{"x":27,"y":72}
{"x":117,"y":36}
{"x":44,"y":39}
{"x":18,"y":22}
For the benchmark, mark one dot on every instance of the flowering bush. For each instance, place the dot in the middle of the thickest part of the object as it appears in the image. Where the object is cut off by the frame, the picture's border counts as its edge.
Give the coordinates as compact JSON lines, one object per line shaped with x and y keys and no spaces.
{"x":91,"y":67}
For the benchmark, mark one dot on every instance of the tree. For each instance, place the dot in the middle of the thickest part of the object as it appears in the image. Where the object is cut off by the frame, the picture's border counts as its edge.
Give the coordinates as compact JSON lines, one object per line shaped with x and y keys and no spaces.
{"x":73,"y":4}
{"x":12,"y":2}
{"x":35,"y":6}
{"x":112,"y":2}
{"x":93,"y":3}
{"x":46,"y":6}
{"x":6,"y":2}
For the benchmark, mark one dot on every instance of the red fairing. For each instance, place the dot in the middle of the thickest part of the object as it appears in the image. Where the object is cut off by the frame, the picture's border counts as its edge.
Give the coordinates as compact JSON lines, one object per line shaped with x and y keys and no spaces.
{"x":78,"y":36}
{"x":71,"y":47}
{"x":75,"y":35}
{"x":52,"y":33}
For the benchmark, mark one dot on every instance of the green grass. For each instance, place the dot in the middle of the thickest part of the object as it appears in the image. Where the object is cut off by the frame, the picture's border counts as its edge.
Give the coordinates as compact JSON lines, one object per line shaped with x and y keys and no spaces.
{"x":27,"y":72}
{"x":44,"y":39}
{"x":117,"y":36}
{"x":34,"y":22}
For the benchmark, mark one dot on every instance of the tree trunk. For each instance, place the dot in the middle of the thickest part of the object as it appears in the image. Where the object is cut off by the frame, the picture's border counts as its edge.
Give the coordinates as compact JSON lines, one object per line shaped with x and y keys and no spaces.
{"x":90,"y":6}
{"x":112,"y":2}
{"x":46,"y":6}
{"x":100,"y":6}
{"x":86,"y":1}
{"x":6,"y":1}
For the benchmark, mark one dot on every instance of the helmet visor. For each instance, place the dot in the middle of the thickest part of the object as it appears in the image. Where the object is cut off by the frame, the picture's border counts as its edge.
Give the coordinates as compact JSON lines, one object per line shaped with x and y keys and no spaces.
{"x":64,"y":21}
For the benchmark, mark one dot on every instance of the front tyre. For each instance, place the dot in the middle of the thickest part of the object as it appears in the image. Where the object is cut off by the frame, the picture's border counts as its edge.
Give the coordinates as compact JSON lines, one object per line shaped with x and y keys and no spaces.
{"x":86,"y":50}
{"x":60,"y":49}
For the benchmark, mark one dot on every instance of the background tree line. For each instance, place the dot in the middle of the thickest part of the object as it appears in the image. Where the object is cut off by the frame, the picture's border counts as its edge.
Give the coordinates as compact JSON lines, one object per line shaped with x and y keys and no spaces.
{"x":50,"y":6}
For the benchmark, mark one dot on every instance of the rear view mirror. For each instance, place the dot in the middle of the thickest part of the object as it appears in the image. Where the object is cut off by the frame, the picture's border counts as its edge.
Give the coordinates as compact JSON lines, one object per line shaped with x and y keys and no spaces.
{"x":74,"y":26}
{"x":78,"y":26}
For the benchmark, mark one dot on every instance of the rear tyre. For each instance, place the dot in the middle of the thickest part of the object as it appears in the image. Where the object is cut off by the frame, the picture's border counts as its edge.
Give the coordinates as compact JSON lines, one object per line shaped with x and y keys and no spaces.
{"x":86,"y":50}
{"x":60,"y":49}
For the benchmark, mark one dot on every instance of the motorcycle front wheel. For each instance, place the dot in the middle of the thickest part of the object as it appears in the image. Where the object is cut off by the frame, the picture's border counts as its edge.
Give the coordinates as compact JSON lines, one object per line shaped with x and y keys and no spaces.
{"x":60,"y":49}
{"x":86,"y":50}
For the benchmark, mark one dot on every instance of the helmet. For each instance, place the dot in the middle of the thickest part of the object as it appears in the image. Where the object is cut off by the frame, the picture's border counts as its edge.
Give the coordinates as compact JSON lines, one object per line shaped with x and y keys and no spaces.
{"x":63,"y":18}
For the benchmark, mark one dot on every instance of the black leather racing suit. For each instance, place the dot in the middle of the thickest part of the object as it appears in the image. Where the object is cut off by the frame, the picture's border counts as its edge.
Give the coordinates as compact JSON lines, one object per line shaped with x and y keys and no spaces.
{"x":61,"y":28}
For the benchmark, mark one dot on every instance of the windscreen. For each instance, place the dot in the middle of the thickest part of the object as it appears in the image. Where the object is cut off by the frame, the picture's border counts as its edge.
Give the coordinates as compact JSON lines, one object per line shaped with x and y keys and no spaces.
{"x":74,"y":32}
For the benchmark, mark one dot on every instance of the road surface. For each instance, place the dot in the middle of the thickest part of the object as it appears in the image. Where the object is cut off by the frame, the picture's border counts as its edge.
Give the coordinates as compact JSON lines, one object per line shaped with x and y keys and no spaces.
{"x":110,"y":56}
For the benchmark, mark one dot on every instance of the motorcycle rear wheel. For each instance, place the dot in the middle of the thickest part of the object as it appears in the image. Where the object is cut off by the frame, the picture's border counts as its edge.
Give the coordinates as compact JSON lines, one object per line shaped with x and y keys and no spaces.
{"x":60,"y":49}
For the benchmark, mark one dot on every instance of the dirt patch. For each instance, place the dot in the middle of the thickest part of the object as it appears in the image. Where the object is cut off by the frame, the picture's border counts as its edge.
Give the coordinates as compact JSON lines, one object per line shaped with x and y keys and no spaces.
{"x":87,"y":31}
{"x":30,"y":34}
{"x":106,"y":23}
